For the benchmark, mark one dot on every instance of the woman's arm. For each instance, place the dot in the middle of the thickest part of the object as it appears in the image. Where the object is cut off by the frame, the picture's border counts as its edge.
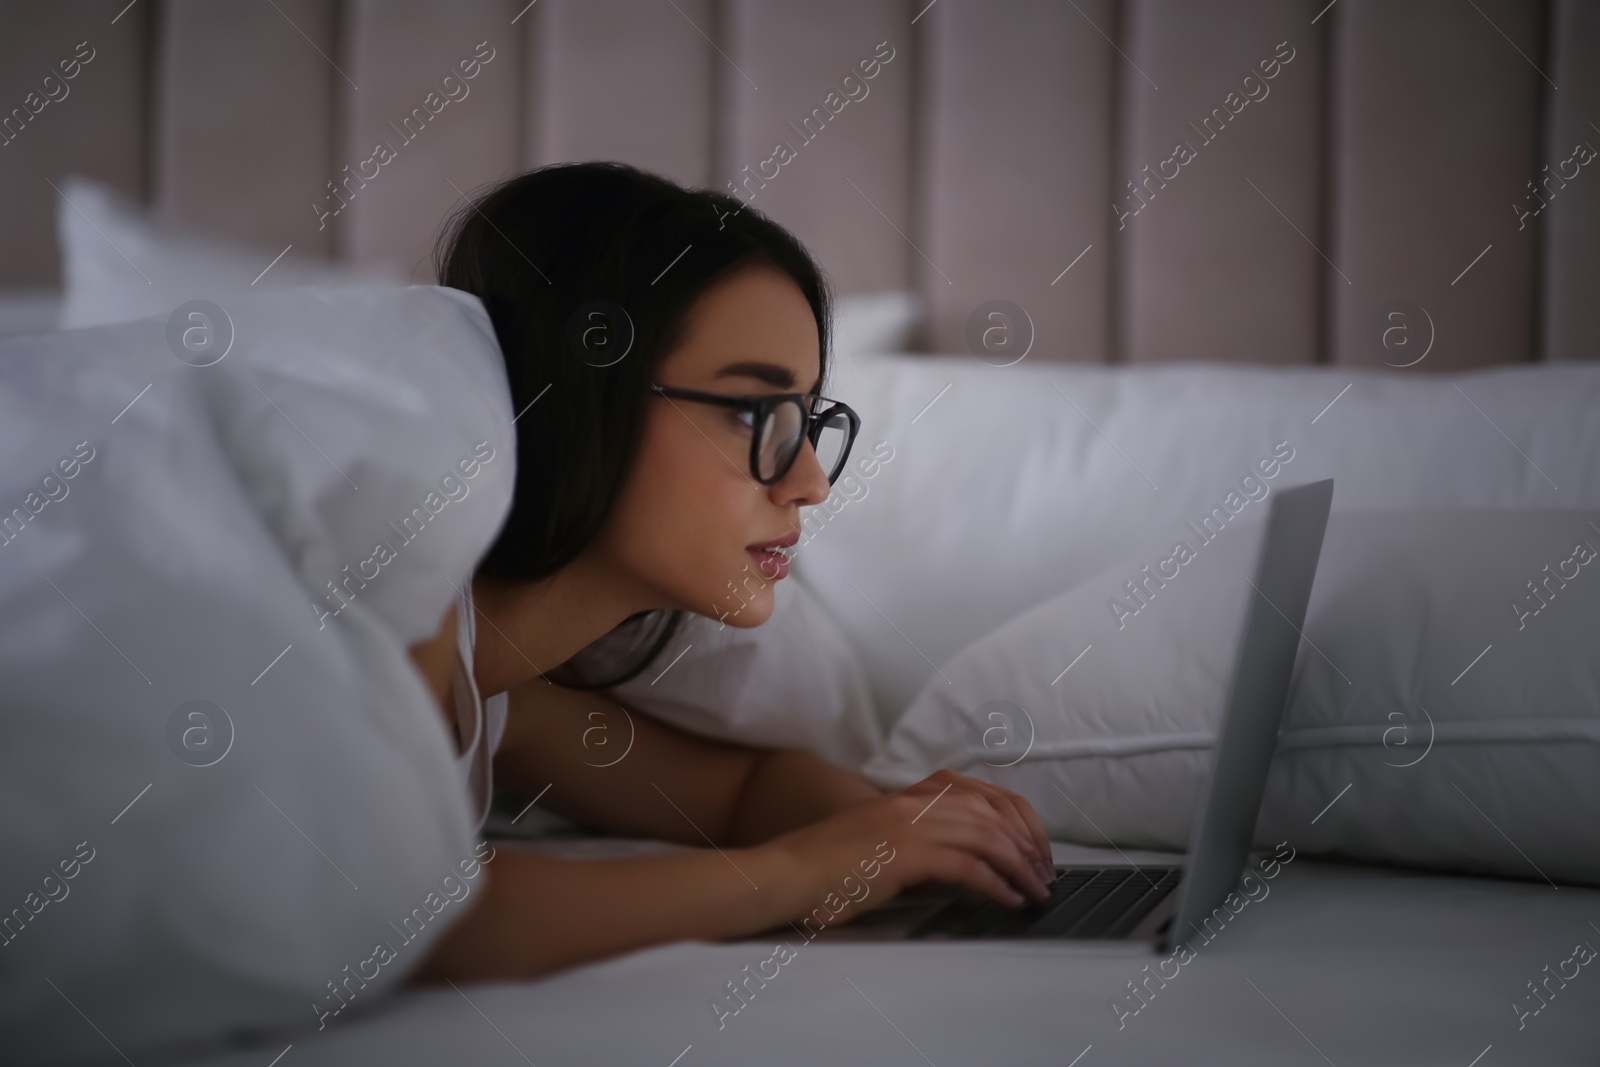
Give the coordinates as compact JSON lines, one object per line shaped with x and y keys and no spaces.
{"x":820,"y":830}
{"x":671,"y":784}
{"x":787,"y":789}
{"x":537,"y":914}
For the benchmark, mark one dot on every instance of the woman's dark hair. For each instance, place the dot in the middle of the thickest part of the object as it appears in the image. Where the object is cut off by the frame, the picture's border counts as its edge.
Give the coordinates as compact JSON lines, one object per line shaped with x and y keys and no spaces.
{"x":578,"y":263}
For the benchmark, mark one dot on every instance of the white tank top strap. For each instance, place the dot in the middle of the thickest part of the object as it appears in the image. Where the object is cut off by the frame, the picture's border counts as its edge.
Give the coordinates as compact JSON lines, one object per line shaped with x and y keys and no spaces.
{"x":480,"y":724}
{"x":495,"y":709}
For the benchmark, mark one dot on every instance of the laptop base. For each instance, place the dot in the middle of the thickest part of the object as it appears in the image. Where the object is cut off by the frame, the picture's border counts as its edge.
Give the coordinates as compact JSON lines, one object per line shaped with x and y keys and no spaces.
{"x":1109,"y":903}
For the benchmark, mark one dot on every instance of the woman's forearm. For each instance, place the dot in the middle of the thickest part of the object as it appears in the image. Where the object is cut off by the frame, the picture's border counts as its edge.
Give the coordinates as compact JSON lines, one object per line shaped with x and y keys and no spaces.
{"x":538,"y":914}
{"x":673,"y":784}
{"x":787,"y":789}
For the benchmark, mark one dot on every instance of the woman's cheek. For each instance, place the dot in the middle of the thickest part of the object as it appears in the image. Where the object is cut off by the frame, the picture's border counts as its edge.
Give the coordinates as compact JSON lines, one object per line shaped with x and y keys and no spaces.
{"x":689,"y":510}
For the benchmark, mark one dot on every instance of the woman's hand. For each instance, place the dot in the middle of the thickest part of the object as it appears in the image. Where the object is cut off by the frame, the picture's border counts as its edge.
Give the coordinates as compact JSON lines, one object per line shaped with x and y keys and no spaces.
{"x":1013,"y":809}
{"x":538,"y":914}
{"x":947,"y":827}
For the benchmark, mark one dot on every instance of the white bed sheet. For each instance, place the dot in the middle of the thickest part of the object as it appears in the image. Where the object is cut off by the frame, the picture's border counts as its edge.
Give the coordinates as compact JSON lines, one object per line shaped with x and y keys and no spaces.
{"x":1338,"y":964}
{"x":29,"y":309}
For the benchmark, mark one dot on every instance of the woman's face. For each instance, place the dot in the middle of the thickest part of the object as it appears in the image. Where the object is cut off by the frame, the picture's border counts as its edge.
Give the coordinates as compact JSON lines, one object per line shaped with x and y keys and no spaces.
{"x":690,"y":508}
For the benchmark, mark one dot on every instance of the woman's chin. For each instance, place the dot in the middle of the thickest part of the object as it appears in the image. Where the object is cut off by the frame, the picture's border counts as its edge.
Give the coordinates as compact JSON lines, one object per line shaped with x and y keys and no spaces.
{"x":743,"y":614}
{"x":753,"y":615}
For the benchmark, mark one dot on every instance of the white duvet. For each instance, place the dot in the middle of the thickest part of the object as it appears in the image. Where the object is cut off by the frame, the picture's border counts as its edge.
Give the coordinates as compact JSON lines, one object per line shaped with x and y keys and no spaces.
{"x":222,"y":784}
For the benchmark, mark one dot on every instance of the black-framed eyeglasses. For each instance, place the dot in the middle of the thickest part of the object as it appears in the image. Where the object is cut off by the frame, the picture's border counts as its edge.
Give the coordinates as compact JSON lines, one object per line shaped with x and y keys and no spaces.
{"x":780,"y":422}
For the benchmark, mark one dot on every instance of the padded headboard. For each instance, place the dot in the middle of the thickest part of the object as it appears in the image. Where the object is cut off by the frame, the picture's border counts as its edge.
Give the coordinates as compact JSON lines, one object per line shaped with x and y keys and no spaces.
{"x":1229,"y":180}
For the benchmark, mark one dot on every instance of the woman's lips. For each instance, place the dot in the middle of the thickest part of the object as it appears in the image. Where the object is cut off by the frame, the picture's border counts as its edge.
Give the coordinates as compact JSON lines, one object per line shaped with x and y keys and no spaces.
{"x":771,"y":562}
{"x":771,"y":565}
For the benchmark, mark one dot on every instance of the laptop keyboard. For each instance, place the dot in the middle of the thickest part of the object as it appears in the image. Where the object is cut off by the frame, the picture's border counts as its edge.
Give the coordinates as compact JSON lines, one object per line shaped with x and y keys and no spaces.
{"x":1085,"y":902}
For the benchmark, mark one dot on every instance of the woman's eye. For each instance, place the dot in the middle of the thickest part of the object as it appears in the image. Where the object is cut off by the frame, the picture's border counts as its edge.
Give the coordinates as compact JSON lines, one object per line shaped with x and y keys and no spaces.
{"x":746,"y":418}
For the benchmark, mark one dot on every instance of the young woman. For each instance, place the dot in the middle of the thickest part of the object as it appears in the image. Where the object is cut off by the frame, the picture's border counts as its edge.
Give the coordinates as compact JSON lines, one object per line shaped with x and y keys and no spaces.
{"x":666,"y":352}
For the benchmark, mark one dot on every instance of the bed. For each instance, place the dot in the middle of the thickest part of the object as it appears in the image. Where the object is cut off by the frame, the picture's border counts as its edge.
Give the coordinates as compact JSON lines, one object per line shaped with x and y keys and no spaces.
{"x":1250,"y":299}
{"x":1338,"y":964}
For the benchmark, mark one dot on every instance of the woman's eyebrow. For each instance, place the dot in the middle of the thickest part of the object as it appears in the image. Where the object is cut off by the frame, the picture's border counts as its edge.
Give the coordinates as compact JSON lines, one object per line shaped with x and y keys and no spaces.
{"x":771,"y":373}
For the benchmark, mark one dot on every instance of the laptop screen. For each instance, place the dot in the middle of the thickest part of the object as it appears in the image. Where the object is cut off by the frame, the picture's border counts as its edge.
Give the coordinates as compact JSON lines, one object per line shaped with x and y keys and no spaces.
{"x":1226,"y":817}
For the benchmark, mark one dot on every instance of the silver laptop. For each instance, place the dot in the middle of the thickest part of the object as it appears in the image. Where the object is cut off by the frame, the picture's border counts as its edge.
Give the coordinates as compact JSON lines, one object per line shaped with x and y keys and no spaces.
{"x":1158,"y":903}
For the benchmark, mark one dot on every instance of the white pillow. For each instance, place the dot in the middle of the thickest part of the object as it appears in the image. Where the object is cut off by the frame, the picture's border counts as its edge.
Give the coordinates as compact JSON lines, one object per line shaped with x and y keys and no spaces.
{"x":1466,"y":737}
{"x":175,"y":526}
{"x":792,"y":682}
{"x":165,"y":264}
{"x":1010,"y":484}
{"x":875,"y":322}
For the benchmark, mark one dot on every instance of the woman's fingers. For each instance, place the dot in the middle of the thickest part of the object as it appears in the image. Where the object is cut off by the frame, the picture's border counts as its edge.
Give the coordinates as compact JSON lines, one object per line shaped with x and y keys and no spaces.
{"x":1041,"y":836}
{"x":1022,"y":822}
{"x":1022,"y":816}
{"x":962,"y":868}
{"x":971,"y":823}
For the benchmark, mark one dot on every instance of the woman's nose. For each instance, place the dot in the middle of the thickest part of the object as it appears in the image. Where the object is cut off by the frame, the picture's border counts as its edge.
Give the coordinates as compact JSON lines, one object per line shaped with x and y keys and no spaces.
{"x":805,"y":483}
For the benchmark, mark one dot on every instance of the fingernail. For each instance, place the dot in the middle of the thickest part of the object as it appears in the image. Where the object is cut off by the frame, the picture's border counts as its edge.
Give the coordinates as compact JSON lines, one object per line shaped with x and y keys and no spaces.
{"x":1046,"y":873}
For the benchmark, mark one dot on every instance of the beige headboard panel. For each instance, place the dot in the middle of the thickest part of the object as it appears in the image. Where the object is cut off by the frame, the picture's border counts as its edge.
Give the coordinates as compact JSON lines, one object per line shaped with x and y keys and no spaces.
{"x":1124,"y":170}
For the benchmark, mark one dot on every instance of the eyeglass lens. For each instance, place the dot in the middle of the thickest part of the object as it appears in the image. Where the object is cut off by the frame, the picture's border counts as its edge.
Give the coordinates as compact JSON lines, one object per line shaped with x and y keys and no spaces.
{"x":831,"y":443}
{"x":783,"y":431}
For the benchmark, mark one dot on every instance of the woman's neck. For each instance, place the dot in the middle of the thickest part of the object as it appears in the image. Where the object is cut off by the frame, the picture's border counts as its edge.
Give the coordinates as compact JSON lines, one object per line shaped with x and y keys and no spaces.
{"x":528,"y":628}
